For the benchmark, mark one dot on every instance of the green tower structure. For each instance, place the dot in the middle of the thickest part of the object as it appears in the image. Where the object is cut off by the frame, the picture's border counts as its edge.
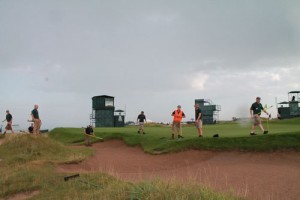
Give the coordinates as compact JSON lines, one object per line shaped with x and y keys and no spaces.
{"x":291,"y":108}
{"x":210,"y":111}
{"x":103,"y":111}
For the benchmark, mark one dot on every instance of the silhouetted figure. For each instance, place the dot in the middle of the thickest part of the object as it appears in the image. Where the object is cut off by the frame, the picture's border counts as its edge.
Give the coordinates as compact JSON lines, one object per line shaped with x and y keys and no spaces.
{"x":293,"y":98}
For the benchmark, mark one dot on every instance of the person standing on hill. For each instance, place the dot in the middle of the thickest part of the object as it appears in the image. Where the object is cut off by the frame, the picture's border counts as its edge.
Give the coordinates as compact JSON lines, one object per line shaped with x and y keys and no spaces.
{"x":176,"y":126}
{"x":141,"y":119}
{"x":255,"y":112}
{"x":36,"y":120}
{"x":8,"y":119}
{"x":198,"y":119}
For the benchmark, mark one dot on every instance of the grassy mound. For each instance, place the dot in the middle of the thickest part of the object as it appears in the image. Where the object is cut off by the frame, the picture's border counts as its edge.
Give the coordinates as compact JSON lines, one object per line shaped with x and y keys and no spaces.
{"x":284,"y":135}
{"x":18,"y":149}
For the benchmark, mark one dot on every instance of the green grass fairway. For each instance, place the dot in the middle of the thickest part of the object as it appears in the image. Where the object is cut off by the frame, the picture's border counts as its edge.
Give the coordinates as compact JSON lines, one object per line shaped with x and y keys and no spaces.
{"x":283,"y":135}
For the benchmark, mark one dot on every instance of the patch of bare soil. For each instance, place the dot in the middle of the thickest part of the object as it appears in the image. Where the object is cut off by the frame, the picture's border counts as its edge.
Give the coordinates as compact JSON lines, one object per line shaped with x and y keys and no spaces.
{"x":23,"y":196}
{"x":251,"y":175}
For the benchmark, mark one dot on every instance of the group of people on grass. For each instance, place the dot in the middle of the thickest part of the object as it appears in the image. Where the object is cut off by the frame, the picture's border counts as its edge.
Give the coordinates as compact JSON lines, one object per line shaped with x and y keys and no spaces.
{"x":256,"y":110}
{"x":34,"y":127}
{"x":177,"y":114}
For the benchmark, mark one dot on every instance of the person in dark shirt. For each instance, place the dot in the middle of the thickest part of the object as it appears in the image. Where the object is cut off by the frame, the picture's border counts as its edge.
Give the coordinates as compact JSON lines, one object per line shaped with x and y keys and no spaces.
{"x":8,"y":119}
{"x":88,"y":132}
{"x":255,"y":112}
{"x":198,"y":120}
{"x":141,"y":119}
{"x":30,"y":128}
{"x":36,"y":120}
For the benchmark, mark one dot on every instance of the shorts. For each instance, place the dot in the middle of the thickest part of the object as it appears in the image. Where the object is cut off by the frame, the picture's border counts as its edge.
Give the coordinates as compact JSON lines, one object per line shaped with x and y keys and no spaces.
{"x":257,"y":120}
{"x":8,"y":127}
{"x":199,"y":124}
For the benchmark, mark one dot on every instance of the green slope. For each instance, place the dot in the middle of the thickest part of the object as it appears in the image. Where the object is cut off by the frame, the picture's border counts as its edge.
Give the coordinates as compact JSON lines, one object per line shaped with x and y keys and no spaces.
{"x":233,"y":136}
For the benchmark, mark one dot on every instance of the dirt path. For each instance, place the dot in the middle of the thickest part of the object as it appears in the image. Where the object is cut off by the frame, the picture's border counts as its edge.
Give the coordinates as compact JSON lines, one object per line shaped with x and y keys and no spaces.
{"x":252,"y":175}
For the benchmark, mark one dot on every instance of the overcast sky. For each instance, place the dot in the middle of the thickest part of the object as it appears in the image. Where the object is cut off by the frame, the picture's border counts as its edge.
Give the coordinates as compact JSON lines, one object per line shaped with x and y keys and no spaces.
{"x":149,"y":55}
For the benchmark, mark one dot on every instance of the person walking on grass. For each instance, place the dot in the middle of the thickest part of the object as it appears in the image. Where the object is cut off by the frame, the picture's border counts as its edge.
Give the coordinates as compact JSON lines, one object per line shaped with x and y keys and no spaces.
{"x":255,"y":112}
{"x":36,"y":120}
{"x":198,"y":120}
{"x":8,"y":119}
{"x":176,"y":126}
{"x":141,"y":119}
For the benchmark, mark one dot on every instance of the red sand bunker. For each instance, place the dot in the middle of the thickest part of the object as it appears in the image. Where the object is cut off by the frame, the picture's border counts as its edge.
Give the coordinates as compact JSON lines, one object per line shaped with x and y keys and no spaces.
{"x":251,"y":175}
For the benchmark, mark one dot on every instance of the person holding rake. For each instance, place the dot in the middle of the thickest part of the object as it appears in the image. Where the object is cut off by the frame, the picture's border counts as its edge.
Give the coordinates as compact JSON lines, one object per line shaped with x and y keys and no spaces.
{"x":255,"y":112}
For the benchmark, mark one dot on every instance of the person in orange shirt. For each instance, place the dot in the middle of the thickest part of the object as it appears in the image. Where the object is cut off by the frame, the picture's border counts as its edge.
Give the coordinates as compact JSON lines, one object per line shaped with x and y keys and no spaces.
{"x":177,"y":118}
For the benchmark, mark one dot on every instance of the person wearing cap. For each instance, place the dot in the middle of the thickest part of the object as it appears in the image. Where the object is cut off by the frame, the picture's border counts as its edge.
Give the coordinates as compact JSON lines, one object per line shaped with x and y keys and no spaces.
{"x":177,"y":118}
{"x":8,"y":119}
{"x":255,"y":112}
{"x":36,"y":120}
{"x":198,"y":119}
{"x":141,"y":119}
